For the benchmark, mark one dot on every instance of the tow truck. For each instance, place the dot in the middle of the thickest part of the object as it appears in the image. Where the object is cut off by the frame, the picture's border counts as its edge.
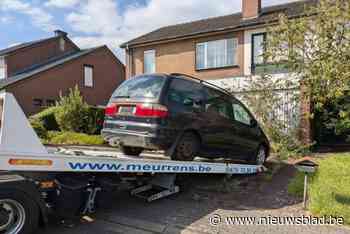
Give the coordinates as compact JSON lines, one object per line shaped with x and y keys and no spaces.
{"x":36,"y":182}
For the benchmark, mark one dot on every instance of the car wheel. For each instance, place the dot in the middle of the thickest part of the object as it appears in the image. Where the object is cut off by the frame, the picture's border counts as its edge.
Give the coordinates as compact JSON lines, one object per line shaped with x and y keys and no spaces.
{"x":18,"y":214}
{"x":187,"y":147}
{"x":132,"y":151}
{"x":260,"y":156}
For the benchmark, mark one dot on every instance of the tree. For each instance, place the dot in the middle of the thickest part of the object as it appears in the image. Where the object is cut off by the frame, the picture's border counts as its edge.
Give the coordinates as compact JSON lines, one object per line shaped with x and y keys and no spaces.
{"x":316,"y":47}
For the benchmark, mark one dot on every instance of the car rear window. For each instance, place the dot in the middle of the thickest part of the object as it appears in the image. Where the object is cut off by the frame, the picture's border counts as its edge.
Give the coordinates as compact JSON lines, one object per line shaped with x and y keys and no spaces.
{"x":140,"y":87}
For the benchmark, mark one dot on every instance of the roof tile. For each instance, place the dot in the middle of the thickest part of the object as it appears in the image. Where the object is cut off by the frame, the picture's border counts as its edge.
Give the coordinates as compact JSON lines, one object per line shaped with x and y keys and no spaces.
{"x":221,"y":23}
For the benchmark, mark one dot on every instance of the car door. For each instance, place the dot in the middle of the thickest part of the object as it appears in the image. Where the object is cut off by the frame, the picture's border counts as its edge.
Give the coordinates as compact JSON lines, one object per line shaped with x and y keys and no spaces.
{"x":218,"y":133}
{"x":247,"y":134}
{"x":185,"y":105}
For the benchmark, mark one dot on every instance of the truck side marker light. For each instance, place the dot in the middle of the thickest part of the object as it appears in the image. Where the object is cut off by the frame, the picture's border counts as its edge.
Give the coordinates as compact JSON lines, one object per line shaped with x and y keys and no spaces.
{"x":30,"y":162}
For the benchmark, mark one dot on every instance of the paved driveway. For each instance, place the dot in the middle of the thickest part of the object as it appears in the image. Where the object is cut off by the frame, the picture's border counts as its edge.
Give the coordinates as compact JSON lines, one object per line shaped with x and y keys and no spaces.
{"x":203,"y":197}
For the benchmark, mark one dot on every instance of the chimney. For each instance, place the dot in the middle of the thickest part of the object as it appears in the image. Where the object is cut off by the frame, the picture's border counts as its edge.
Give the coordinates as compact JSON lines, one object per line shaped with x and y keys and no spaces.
{"x":60,"y":33}
{"x":251,"y":9}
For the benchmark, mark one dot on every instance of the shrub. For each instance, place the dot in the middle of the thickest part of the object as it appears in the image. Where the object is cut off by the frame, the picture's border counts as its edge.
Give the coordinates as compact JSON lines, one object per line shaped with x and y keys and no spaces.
{"x":38,"y":127}
{"x":72,"y":138}
{"x":72,"y":112}
{"x":94,"y":121}
{"x":48,"y":119}
{"x":261,"y":95}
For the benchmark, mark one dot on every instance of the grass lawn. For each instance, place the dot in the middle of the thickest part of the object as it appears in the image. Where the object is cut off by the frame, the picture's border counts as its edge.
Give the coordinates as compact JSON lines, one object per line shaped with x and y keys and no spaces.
{"x":329,"y":188}
{"x":72,"y":138}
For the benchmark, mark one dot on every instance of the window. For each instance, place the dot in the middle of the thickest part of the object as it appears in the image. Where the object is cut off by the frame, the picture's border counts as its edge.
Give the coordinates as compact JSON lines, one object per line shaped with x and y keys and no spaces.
{"x":240,"y":114}
{"x":2,"y":68}
{"x":88,"y":76}
{"x":185,"y":94}
{"x":216,"y":54}
{"x":148,"y":86}
{"x":259,"y":62}
{"x":50,"y":102}
{"x":258,"y":48}
{"x":62,"y":43}
{"x":149,"y":63}
{"x":218,"y":104}
{"x":37,"y":102}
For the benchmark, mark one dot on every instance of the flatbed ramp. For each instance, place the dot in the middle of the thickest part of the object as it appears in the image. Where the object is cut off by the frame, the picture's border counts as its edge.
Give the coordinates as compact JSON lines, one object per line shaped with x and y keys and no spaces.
{"x":21,"y":153}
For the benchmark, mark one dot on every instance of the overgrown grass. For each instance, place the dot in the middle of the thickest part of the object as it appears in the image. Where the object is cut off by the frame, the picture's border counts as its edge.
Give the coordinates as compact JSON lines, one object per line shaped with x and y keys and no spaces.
{"x":72,"y":138}
{"x":329,"y":188}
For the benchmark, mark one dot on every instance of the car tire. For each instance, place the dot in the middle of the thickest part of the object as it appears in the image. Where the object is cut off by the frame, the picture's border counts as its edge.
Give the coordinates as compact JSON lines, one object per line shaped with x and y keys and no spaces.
{"x":132,"y":151}
{"x":260,"y":156}
{"x":22,"y":212}
{"x":187,"y":147}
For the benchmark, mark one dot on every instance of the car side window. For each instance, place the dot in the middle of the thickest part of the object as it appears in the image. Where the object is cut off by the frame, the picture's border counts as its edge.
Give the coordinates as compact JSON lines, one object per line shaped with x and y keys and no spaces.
{"x":241,"y":114}
{"x":185,"y":94}
{"x":217,"y":104}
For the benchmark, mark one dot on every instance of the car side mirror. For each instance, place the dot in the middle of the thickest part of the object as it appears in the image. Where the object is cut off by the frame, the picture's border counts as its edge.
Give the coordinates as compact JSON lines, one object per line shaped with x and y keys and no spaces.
{"x":253,"y":123}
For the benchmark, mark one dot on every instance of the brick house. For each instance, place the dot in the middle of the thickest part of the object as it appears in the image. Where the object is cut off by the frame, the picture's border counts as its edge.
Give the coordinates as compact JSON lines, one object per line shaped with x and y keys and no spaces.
{"x":224,"y":50}
{"x":37,"y":72}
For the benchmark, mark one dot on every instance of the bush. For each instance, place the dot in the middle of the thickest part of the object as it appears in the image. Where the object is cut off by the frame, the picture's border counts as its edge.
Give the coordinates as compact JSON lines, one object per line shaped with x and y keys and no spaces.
{"x":94,"y":121}
{"x":72,"y":112}
{"x":48,"y":119}
{"x":261,"y":95}
{"x":72,"y":138}
{"x":38,"y":127}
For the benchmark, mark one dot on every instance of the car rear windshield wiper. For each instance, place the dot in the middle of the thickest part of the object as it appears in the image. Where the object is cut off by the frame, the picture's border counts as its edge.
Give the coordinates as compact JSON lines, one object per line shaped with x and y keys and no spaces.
{"x":125,"y":96}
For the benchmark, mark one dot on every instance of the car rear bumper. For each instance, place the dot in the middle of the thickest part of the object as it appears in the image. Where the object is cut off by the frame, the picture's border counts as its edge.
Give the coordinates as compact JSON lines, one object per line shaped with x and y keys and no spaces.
{"x":136,"y":139}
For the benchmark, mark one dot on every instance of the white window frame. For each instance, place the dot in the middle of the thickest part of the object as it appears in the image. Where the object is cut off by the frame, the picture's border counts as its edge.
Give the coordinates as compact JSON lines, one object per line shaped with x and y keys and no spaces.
{"x":2,"y":68}
{"x":144,"y":61}
{"x":205,"y":44}
{"x":263,"y":34}
{"x":88,"y":76}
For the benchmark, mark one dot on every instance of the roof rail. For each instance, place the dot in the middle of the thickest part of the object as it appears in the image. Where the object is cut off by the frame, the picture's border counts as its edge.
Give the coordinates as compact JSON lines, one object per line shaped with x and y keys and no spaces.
{"x":201,"y":81}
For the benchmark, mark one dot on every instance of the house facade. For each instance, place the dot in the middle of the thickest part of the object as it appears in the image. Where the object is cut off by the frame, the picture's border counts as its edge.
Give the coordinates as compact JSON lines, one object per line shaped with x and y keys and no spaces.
{"x":37,"y":72}
{"x":224,"y":50}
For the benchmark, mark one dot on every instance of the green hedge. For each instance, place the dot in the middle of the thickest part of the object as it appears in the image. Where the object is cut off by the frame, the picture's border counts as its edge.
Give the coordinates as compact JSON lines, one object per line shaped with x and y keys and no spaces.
{"x":73,"y":138}
{"x":92,"y":123}
{"x":39,"y":128}
{"x":48,"y":119}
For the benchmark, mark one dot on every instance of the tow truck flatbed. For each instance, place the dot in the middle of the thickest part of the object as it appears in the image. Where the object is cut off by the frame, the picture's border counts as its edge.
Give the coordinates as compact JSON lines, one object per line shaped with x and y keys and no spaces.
{"x":23,"y":155}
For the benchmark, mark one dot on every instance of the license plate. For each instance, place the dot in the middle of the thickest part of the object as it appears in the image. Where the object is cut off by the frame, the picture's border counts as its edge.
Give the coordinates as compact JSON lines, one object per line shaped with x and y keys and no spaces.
{"x":126,"y":110}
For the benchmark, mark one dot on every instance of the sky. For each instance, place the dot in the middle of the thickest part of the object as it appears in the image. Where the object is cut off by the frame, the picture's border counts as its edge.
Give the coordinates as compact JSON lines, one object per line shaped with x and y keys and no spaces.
{"x":91,"y":23}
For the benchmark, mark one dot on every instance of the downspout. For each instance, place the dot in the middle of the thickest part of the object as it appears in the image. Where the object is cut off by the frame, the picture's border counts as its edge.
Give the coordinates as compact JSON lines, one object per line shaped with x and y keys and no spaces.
{"x":130,"y":61}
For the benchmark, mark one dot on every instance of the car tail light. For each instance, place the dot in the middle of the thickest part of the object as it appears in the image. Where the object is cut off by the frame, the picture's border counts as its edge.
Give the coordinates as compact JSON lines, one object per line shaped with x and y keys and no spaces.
{"x":111,"y":110}
{"x":151,"y":110}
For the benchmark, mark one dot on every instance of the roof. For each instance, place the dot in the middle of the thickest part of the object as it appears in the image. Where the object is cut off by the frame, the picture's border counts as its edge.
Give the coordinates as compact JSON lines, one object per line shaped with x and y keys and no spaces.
{"x":38,"y":68}
{"x":23,"y":45}
{"x":222,"y":23}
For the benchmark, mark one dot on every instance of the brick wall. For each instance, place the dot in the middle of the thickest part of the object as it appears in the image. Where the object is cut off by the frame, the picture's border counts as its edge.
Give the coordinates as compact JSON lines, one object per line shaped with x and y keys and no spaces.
{"x":305,"y":129}
{"x":108,"y":73}
{"x":251,"y":8}
{"x":41,"y":52}
{"x":180,"y":57}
